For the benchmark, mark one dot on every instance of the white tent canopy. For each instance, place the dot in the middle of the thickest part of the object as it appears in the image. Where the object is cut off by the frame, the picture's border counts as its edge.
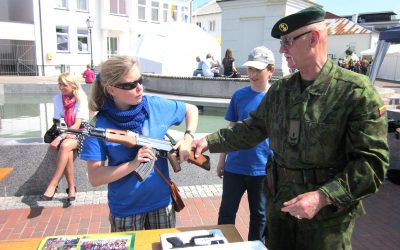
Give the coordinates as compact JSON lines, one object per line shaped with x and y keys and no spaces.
{"x":171,"y":49}
{"x":393,"y":49}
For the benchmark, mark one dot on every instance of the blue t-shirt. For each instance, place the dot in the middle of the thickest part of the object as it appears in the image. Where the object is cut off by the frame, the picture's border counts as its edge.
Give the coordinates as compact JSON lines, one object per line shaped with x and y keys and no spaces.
{"x":252,"y":161}
{"x":128,"y":196}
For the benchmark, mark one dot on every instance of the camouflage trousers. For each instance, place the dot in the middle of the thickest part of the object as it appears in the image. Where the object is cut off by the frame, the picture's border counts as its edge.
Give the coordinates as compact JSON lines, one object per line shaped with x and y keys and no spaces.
{"x":330,"y":229}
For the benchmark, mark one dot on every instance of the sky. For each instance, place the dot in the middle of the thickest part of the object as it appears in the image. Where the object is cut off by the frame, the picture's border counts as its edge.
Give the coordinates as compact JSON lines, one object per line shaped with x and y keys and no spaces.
{"x":197,"y":3}
{"x":348,"y":7}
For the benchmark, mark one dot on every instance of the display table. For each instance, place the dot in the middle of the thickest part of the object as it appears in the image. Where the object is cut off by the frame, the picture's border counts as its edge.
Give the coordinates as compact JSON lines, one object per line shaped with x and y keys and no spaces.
{"x":4,"y":172}
{"x":147,"y":239}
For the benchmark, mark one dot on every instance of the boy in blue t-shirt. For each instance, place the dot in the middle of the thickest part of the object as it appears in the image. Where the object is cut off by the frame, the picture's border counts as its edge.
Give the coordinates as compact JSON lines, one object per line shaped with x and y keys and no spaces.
{"x":246,"y":169}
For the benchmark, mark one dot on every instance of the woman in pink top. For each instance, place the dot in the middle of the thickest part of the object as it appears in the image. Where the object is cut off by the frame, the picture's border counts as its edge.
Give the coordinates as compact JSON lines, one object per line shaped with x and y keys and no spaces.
{"x":88,"y":74}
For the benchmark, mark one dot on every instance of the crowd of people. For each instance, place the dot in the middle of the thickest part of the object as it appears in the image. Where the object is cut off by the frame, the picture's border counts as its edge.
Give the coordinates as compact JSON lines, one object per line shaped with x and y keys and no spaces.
{"x":211,"y":67}
{"x":359,"y":65}
{"x":307,"y":149}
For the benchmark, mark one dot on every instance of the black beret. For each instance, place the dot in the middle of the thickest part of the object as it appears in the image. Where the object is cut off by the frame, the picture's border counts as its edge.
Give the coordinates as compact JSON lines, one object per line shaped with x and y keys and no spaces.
{"x":297,"y":20}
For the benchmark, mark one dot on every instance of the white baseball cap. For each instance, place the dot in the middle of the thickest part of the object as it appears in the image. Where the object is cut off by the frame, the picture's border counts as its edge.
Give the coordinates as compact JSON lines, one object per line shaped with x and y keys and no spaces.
{"x":259,"y":58}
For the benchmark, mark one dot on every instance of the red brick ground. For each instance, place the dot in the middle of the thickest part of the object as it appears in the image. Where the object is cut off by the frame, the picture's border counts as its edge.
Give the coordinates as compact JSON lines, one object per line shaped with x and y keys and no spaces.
{"x":379,"y":229}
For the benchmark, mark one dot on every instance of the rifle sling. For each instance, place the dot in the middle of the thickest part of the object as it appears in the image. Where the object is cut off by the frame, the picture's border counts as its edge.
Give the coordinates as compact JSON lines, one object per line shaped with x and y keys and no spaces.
{"x":162,"y":175}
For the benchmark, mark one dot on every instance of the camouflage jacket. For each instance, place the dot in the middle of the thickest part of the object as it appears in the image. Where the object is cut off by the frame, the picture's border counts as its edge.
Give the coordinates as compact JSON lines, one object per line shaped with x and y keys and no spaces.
{"x":338,"y":122}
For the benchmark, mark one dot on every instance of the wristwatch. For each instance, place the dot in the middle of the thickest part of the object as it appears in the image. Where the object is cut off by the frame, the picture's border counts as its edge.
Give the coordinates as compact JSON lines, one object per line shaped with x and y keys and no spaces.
{"x":189,"y":132}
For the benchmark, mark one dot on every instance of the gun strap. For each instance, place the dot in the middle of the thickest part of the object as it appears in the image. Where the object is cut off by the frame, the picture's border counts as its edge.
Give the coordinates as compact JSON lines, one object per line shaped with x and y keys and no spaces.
{"x":174,"y":190}
{"x":172,"y":140}
{"x":162,"y":175}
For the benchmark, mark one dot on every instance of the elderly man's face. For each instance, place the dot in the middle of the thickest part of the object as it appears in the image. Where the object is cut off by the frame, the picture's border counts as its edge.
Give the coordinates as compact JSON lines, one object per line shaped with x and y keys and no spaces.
{"x":294,"y":46}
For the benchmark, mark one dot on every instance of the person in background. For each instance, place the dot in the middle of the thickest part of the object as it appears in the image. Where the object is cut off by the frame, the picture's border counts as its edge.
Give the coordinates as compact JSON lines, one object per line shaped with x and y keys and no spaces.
{"x":327,"y":127}
{"x":88,"y":74}
{"x":210,"y":67}
{"x":363,"y":65}
{"x":215,"y":66}
{"x":198,"y":71}
{"x":229,"y":64}
{"x":244,"y":170}
{"x":121,"y":104}
{"x":71,"y":104}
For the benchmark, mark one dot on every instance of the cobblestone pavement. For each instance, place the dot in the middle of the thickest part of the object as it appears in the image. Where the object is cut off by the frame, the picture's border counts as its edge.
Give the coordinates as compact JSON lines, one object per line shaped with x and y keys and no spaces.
{"x":97,"y":197}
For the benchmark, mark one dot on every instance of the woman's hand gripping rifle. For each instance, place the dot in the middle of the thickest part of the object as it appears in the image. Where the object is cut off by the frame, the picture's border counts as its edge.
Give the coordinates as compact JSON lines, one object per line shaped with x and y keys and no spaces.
{"x":162,"y":148}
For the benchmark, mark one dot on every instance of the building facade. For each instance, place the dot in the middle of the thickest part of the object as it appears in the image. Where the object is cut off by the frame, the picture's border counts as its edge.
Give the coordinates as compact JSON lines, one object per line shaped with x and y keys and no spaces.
{"x":208,"y":17}
{"x":48,"y":37}
{"x":345,"y":34}
{"x":247,"y":24}
{"x":376,"y":21}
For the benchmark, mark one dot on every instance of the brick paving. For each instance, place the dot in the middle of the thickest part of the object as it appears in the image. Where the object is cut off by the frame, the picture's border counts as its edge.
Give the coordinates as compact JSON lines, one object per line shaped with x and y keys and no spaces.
{"x":379,"y":229}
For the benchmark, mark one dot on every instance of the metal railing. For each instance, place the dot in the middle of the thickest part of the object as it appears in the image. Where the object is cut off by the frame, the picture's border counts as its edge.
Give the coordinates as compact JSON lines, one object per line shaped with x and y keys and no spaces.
{"x":17,"y":58}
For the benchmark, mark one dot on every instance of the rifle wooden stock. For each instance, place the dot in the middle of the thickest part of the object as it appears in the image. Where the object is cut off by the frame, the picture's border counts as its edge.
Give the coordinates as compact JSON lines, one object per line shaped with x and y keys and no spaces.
{"x":173,"y":160}
{"x":202,"y":161}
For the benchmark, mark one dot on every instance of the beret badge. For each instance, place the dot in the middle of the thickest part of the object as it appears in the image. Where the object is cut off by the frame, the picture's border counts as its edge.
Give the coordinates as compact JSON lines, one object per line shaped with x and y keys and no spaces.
{"x":283,"y":27}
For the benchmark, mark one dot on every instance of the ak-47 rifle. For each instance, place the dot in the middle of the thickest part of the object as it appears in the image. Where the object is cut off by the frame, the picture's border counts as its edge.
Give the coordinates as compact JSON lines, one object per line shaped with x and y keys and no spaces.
{"x":161,"y":148}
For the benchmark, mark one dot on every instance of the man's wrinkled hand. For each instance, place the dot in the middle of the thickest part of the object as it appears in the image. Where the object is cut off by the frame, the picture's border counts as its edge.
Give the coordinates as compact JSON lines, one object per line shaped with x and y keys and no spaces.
{"x":199,"y":146}
{"x":307,"y":205}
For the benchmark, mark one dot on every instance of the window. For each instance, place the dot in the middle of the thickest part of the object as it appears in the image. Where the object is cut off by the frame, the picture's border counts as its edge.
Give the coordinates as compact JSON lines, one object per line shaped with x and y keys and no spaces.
{"x":118,"y":7}
{"x":198,"y":24}
{"x":61,"y":4}
{"x":211,"y":26}
{"x":83,"y":40}
{"x":82,"y":5}
{"x":185,"y":15}
{"x":165,"y":12}
{"x":142,"y":10}
{"x":62,"y":38}
{"x":112,"y":46}
{"x":174,"y":12}
{"x":154,"y":11}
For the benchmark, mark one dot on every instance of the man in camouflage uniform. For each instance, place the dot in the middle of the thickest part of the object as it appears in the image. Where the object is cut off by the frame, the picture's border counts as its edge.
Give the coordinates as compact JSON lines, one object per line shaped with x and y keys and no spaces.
{"x":327,"y":127}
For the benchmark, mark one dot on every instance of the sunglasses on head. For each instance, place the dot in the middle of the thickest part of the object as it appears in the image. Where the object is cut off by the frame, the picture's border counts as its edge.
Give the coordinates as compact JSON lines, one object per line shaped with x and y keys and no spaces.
{"x":129,"y":85}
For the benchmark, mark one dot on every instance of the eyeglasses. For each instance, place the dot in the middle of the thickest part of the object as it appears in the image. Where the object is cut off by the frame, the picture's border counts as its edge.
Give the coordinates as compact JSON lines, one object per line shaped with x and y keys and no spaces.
{"x":288,"y":42}
{"x":129,"y":85}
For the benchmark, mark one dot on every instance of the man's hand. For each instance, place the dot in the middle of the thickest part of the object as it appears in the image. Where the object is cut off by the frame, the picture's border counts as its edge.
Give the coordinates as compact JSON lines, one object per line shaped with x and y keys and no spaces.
{"x":221,"y":165}
{"x":199,"y":146}
{"x":220,"y":169}
{"x":307,"y":205}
